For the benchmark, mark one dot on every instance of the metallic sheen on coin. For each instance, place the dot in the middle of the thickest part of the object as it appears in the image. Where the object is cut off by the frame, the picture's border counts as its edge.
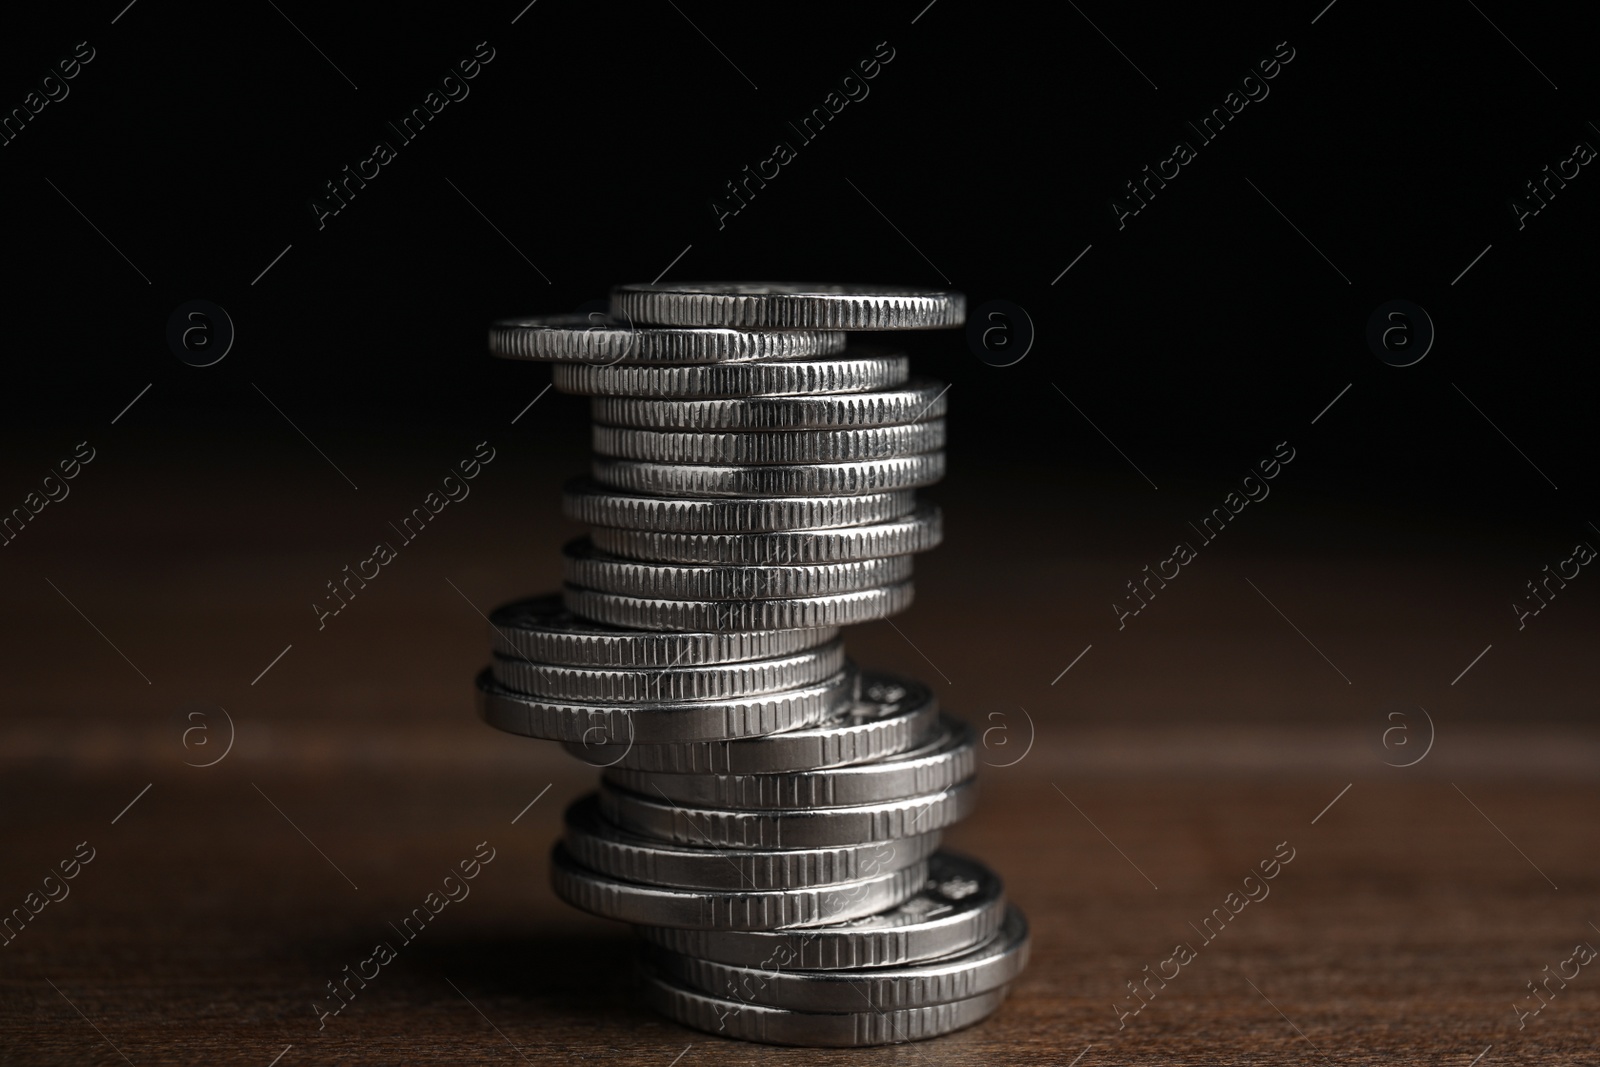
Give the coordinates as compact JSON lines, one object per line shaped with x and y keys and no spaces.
{"x":787,"y":827}
{"x":542,"y":629}
{"x":789,"y":305}
{"x":597,"y":723}
{"x":799,"y":479}
{"x":656,"y":685}
{"x":917,"y":532}
{"x":960,"y":907}
{"x":940,"y":765}
{"x":918,"y":399}
{"x":776,"y":1026}
{"x":600,"y":339}
{"x":810,"y":612}
{"x":750,"y":909}
{"x":582,"y":565}
{"x":990,"y":966}
{"x":595,"y":505}
{"x":853,"y":372}
{"x":602,"y":847}
{"x":892,"y":715}
{"x":770,"y":446}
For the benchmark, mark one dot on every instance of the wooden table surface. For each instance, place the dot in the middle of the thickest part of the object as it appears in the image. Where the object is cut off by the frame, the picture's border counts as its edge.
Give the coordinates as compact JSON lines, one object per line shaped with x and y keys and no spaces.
{"x":1419,"y":903}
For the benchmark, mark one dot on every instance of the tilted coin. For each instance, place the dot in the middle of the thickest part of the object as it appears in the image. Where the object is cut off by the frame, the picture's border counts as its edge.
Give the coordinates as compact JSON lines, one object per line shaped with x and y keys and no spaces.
{"x":646,"y":685}
{"x":542,"y":629}
{"x":597,"y":723}
{"x":935,"y":767}
{"x":595,"y":505}
{"x":990,"y":966}
{"x":960,"y":907}
{"x":778,"y":1026}
{"x":798,"y":479}
{"x":918,"y":399}
{"x":853,"y":372}
{"x":749,"y":909}
{"x":770,"y":446}
{"x":600,"y":339}
{"x":892,"y":715}
{"x":602,"y":847}
{"x":583,"y":566}
{"x":789,"y":305}
{"x":787,"y":827}
{"x":917,"y":532}
{"x":649,"y":613}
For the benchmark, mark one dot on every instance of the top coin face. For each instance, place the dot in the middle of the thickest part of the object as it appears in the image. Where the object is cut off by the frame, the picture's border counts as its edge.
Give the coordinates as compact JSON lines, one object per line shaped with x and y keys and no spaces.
{"x":789,"y":305}
{"x":600,"y":339}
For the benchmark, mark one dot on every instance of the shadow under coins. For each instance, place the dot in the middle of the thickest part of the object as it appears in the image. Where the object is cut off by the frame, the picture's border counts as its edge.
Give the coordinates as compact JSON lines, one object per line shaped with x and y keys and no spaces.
{"x":584,"y":976}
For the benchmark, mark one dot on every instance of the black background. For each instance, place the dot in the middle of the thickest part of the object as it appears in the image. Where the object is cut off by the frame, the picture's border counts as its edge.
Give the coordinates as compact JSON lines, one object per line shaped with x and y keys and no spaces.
{"x":1196,"y":338}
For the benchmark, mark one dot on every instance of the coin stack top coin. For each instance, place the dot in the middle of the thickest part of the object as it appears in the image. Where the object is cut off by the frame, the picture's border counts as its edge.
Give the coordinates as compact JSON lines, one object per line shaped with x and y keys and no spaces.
{"x":769,"y":816}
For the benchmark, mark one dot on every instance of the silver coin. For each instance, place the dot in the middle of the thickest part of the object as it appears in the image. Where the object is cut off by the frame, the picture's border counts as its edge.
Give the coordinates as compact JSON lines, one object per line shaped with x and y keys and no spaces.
{"x":647,"y":613}
{"x":960,"y":907}
{"x":917,"y":532}
{"x":777,"y":1026}
{"x":654,"y":685}
{"x":854,"y":372}
{"x":920,"y":398}
{"x":788,"y":827}
{"x":600,"y":339}
{"x":596,"y":505}
{"x":583,"y":566}
{"x":750,"y":909}
{"x":542,"y":629}
{"x":603,"y":848}
{"x":799,"y":479}
{"x":789,"y":305}
{"x":595,"y":723}
{"x":892,"y":715}
{"x":770,"y":446}
{"x":933,"y":768}
{"x":990,"y":966}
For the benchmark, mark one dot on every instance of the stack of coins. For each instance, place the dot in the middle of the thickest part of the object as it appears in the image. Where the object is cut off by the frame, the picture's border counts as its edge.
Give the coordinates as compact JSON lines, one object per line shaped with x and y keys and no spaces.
{"x":769,"y":817}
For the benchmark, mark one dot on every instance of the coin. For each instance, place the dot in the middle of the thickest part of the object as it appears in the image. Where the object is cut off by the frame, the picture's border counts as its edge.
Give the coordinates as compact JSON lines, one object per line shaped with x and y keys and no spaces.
{"x":583,"y":566}
{"x":597,"y":723}
{"x":770,"y":446}
{"x":647,"y":613}
{"x":917,"y":532}
{"x":602,"y":847}
{"x":541,"y":629}
{"x":788,"y":827}
{"x":854,"y":372}
{"x":990,"y":966}
{"x":919,"y":398}
{"x":665,"y":684}
{"x":776,"y":1026}
{"x":960,"y":907}
{"x":940,"y":765}
{"x":600,"y":339}
{"x":798,"y":479}
{"x":596,"y":505}
{"x":749,"y":909}
{"x":892,"y":715}
{"x":789,"y":305}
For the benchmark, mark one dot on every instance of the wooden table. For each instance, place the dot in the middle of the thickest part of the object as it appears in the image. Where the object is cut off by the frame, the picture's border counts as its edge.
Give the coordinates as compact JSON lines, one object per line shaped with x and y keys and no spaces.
{"x":220,"y":900}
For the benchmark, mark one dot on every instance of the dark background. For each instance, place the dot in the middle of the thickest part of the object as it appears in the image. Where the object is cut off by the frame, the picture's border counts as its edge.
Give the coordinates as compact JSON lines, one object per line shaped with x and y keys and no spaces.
{"x":1204,"y":331}
{"x":1196,"y":338}
{"x":1377,"y":579}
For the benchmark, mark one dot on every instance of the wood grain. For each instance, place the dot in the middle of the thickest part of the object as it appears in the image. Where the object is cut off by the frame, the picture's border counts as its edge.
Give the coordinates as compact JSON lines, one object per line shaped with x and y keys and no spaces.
{"x":1413,"y":915}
